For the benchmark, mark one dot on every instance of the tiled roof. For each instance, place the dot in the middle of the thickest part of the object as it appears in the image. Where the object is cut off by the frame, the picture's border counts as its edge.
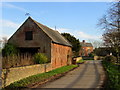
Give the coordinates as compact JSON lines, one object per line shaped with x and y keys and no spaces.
{"x":55,"y":36}
{"x":86,"y":44}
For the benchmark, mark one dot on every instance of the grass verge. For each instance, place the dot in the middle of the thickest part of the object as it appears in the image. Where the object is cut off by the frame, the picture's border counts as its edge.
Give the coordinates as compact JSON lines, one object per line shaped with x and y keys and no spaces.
{"x":113,"y":76}
{"x":88,"y":59}
{"x":40,"y":77}
{"x":80,"y":61}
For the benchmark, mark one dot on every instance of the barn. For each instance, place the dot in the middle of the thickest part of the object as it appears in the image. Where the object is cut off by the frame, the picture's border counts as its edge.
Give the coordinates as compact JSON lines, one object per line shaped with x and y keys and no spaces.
{"x":33,"y":37}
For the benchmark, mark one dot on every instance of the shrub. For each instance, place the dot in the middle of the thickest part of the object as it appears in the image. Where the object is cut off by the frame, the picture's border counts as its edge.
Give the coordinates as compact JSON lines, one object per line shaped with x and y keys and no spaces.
{"x":40,"y":58}
{"x":9,"y":50}
{"x":113,"y":76}
{"x":110,"y":58}
{"x":17,"y":60}
{"x":91,"y":55}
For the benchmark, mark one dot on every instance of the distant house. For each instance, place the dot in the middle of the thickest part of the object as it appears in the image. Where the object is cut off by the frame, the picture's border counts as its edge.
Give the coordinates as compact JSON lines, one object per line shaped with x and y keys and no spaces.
{"x":86,"y":48}
{"x":33,"y":37}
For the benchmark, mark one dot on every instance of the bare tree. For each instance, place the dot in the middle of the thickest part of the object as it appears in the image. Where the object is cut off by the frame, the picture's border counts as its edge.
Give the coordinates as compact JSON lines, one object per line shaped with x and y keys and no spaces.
{"x":96,"y":43}
{"x":0,"y":44}
{"x":111,"y":24}
{"x":3,"y":41}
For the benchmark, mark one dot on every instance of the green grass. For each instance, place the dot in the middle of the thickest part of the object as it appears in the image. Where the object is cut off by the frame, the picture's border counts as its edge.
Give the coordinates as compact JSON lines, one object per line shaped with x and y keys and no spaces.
{"x":40,"y":77}
{"x":113,"y":76}
{"x":80,"y":61}
{"x":89,"y":60}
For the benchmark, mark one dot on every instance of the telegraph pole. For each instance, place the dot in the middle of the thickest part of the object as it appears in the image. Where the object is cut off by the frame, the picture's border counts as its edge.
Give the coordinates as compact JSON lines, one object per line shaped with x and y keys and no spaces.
{"x":55,"y":27}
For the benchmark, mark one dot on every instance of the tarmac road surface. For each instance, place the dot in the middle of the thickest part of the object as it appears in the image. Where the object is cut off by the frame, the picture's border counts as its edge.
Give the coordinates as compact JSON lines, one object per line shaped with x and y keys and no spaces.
{"x":88,"y":75}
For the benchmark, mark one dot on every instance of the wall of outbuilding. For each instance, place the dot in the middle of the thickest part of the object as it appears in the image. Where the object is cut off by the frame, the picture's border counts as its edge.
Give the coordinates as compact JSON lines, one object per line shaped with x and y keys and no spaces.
{"x":40,"y":39}
{"x":60,"y":55}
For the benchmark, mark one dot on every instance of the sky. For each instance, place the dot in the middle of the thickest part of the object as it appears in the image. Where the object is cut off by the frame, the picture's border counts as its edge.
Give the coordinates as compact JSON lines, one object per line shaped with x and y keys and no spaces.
{"x":77,"y":18}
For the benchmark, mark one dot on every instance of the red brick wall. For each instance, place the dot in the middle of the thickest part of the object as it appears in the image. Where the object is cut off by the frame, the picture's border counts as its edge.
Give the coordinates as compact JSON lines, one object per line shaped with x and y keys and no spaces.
{"x":60,"y":55}
{"x":85,"y":51}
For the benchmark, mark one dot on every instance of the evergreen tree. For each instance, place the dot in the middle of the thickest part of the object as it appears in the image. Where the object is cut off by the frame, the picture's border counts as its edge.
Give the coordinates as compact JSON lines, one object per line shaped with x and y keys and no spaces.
{"x":75,"y":43}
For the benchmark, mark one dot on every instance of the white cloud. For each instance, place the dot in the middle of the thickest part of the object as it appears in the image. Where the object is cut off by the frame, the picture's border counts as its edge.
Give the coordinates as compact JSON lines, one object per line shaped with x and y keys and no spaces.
{"x":61,"y":30}
{"x":87,"y":36}
{"x":13,"y":6}
{"x":8,"y":28}
{"x":79,"y":34}
{"x":4,"y":36}
{"x":8,"y":23}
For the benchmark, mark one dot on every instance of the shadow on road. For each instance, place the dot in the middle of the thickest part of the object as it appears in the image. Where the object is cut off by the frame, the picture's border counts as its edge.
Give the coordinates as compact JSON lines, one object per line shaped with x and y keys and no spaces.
{"x":79,"y":77}
{"x":97,"y":75}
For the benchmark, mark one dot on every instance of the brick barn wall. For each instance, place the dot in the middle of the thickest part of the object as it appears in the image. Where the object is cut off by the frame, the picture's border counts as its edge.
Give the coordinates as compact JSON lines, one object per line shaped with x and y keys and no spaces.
{"x":60,"y":55}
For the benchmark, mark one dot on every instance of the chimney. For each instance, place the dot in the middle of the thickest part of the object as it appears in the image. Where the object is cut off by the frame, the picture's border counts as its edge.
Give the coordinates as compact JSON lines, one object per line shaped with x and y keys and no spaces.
{"x":83,"y":41}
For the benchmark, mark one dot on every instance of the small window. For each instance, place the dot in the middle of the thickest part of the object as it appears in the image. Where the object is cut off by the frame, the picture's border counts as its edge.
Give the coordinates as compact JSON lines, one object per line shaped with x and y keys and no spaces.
{"x":29,"y":35}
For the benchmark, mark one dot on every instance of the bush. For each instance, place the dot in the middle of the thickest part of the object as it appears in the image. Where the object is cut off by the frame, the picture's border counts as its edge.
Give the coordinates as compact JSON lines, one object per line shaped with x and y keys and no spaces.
{"x":113,"y":75}
{"x":110,"y":58}
{"x":40,"y":58}
{"x":9,"y":50}
{"x":91,"y":55}
{"x":17,"y":60}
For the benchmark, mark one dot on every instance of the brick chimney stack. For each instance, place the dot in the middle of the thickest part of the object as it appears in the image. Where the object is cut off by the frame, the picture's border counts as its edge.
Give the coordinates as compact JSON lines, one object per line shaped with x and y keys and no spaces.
{"x":83,"y":41}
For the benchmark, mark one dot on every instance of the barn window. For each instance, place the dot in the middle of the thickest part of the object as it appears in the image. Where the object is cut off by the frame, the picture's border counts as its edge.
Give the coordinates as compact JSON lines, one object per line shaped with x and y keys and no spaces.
{"x":29,"y":35}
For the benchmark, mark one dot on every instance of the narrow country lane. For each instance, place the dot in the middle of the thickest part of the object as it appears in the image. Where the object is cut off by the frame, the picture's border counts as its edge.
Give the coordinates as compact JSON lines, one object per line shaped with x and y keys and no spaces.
{"x":88,"y":75}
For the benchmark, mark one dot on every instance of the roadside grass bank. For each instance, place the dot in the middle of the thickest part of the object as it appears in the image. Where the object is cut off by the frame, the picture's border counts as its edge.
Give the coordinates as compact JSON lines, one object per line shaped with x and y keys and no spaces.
{"x":88,"y":59}
{"x":32,"y":80}
{"x":80,"y":61}
{"x":113,"y":76}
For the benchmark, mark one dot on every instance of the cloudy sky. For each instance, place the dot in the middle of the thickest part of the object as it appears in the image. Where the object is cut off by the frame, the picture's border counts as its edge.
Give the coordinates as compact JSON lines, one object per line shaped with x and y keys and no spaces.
{"x":76,"y":18}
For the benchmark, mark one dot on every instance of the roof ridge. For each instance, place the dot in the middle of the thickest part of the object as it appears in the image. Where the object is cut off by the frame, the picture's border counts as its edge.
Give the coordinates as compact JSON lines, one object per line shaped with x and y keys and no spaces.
{"x":53,"y":34}
{"x":42,"y":24}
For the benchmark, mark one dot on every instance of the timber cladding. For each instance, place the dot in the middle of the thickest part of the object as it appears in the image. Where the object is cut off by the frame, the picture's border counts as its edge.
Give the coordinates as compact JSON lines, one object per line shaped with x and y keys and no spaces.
{"x":40,"y":39}
{"x":34,"y":37}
